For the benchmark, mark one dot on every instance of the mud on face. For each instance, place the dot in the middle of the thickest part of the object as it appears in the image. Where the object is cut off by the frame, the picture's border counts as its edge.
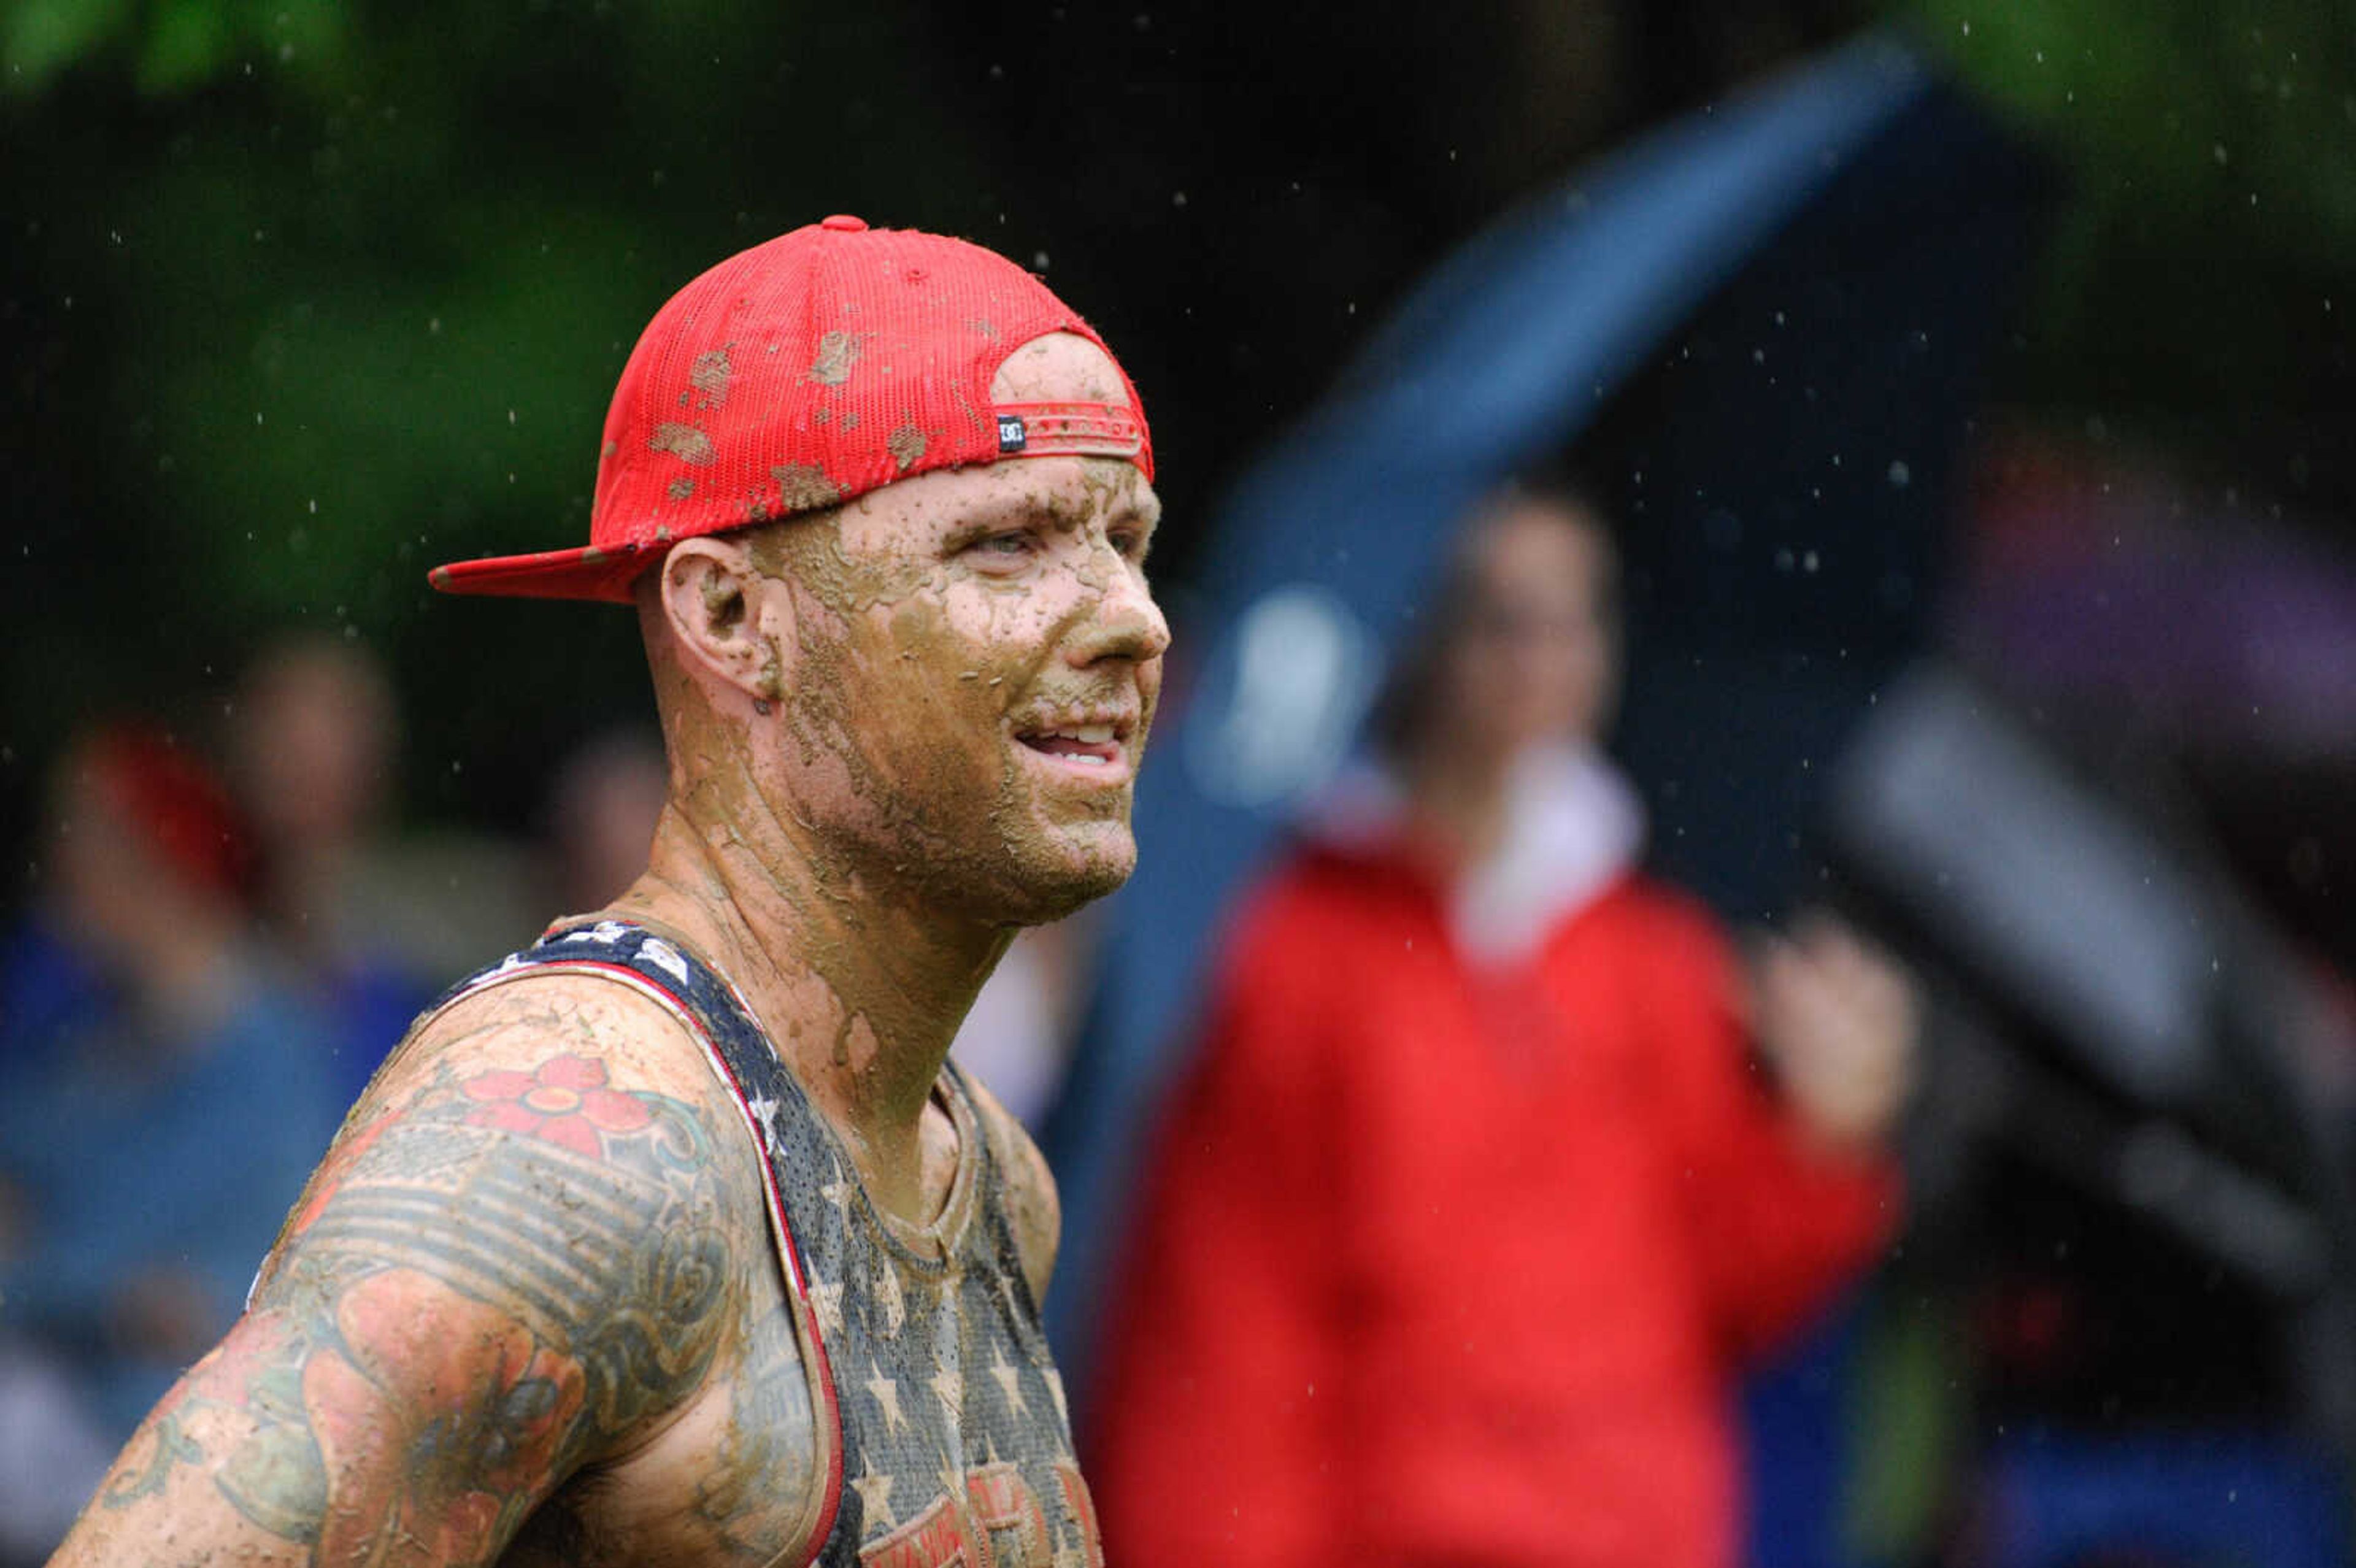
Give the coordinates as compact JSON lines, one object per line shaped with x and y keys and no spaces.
{"x":929,"y":654}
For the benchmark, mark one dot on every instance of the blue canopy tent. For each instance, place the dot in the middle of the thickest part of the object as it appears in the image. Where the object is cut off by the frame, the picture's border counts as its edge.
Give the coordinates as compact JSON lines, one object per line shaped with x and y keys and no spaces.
{"x":1861,"y":199}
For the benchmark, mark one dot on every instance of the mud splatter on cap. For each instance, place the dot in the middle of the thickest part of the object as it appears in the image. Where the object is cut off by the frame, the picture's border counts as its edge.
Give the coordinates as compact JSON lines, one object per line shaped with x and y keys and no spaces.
{"x":790,"y":377}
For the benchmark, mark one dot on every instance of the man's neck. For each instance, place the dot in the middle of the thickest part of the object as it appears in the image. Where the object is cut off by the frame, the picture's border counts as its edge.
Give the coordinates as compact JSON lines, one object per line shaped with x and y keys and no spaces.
{"x":859,"y":990}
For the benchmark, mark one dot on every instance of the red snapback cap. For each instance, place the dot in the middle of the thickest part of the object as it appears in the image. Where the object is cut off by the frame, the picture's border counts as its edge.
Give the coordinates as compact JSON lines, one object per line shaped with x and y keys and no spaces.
{"x":794,"y":376}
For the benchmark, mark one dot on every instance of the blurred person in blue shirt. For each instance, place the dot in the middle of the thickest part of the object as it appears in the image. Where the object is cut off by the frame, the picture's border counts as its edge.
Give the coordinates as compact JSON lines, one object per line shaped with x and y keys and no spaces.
{"x":162,"y":1092}
{"x":314,"y":734}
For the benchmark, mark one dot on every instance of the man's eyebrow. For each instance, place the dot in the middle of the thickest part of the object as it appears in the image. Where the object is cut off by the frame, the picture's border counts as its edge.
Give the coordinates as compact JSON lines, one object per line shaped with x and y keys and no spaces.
{"x":1022,"y":507}
{"x":1131,"y":507}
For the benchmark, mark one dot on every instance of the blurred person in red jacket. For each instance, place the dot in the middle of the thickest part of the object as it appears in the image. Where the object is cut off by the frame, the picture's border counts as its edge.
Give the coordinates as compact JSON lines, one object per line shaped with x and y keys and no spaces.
{"x":1495,"y":1166}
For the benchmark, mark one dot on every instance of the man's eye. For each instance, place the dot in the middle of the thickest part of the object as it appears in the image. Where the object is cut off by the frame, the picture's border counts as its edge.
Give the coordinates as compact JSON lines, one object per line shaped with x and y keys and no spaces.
{"x":1000,"y":547}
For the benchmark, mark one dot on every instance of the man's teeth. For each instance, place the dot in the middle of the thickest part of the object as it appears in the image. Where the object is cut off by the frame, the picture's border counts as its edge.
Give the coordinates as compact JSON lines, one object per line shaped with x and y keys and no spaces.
{"x":1083,"y":745}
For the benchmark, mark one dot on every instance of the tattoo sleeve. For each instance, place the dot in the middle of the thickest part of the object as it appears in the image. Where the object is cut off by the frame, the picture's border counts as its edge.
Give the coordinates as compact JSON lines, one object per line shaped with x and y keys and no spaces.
{"x":771,"y":1434}
{"x":488,"y":1283}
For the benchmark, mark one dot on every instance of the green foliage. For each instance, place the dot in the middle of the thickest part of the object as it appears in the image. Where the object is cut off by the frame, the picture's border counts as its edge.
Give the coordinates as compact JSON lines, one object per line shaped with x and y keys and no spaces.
{"x":2211,"y":157}
{"x":303,"y":296}
{"x":189,"y":43}
{"x":2177,"y":111}
{"x":41,"y":37}
{"x":319,"y":293}
{"x":170,"y":46}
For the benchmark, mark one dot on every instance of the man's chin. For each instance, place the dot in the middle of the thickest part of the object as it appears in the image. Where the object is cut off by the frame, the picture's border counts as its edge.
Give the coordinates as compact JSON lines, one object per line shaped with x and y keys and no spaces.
{"x":1091,"y":864}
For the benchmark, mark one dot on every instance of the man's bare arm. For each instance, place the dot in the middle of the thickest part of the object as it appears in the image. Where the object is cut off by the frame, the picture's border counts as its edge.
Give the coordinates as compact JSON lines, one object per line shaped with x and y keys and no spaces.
{"x":519,"y":1255}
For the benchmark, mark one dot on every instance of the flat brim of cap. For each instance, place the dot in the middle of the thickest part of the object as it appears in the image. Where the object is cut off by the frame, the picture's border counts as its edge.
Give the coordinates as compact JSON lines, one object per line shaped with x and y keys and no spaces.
{"x":583,"y":572}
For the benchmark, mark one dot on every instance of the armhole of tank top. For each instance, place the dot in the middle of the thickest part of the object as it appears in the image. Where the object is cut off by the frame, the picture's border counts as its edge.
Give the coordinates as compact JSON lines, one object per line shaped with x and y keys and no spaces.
{"x":981,"y":1118}
{"x":996,"y":1176}
{"x":818,"y":1516}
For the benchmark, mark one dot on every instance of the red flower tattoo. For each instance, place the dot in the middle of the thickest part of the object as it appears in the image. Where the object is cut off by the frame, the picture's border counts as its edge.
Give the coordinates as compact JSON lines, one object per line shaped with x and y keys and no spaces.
{"x":566,"y":1101}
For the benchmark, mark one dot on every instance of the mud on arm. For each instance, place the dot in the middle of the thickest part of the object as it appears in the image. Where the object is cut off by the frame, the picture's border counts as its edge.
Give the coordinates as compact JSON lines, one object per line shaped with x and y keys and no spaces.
{"x":516,"y":1257}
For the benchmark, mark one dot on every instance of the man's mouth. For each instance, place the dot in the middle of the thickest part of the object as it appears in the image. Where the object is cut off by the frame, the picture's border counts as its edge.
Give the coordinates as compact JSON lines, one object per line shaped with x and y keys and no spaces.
{"x":1091,"y":741}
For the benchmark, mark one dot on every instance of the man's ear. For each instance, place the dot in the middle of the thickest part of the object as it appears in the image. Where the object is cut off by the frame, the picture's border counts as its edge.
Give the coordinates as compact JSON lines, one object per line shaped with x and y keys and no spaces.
{"x":727,"y":617}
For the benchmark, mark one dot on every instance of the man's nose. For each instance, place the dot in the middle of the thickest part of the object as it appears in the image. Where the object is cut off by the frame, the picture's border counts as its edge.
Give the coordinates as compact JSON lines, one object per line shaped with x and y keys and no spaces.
{"x":1121,"y":619}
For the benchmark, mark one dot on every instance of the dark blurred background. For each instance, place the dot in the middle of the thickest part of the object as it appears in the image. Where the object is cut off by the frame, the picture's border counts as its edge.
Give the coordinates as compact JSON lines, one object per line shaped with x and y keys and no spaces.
{"x":304,"y":296}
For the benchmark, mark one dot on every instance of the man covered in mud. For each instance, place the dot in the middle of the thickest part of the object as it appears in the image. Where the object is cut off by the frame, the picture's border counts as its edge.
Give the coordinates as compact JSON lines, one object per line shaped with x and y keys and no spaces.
{"x":674,"y":1238}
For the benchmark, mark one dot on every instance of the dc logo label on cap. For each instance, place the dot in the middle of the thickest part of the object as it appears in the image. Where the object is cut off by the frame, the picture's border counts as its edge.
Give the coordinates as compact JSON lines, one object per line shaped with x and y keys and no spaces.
{"x":1011,"y":435}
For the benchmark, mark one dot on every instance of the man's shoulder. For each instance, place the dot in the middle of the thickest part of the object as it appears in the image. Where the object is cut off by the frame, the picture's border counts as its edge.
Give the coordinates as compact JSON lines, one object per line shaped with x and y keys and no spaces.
{"x":570,"y":1023}
{"x":582,"y":1083}
{"x":542,"y":1221}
